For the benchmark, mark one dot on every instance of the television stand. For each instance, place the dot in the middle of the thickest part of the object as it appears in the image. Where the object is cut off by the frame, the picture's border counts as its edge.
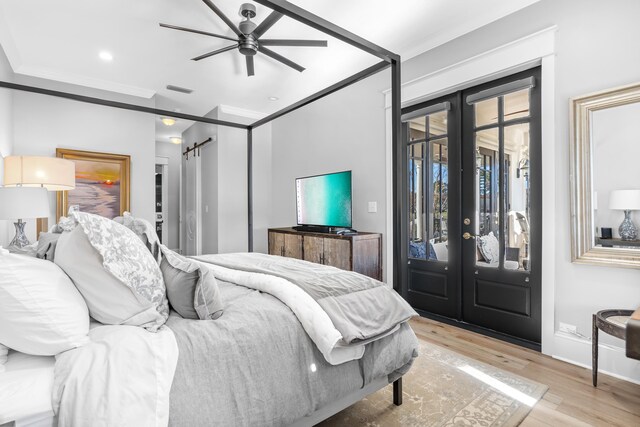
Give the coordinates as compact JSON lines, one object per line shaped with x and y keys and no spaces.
{"x":312,"y":228}
{"x":361,"y":252}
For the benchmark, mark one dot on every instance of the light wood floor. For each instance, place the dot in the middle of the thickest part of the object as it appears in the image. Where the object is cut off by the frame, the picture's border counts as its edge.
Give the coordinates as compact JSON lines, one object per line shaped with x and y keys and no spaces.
{"x":571,"y":400}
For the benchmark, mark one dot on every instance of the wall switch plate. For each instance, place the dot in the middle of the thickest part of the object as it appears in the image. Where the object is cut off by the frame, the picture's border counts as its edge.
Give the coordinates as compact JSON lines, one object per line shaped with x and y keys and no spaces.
{"x":567,"y":328}
{"x":206,"y":208}
{"x":373,"y":207}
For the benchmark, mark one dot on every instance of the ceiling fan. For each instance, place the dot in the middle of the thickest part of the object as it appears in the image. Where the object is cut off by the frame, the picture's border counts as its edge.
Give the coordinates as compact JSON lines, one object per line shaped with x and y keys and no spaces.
{"x":248,"y":41}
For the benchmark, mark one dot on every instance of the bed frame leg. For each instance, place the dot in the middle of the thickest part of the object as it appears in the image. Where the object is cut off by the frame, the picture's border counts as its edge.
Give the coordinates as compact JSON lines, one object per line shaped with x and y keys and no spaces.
{"x":397,"y":392}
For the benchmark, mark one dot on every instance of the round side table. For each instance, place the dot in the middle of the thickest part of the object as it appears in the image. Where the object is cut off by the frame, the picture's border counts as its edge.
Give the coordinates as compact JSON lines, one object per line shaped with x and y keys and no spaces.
{"x":612,"y":322}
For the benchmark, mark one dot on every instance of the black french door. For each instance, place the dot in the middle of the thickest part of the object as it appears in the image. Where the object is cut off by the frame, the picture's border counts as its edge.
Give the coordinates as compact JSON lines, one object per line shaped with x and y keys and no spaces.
{"x":472,"y":201}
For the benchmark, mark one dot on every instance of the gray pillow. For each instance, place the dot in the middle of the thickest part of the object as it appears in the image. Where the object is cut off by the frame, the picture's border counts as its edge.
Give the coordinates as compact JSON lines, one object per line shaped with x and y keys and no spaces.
{"x":191,"y":289}
{"x":47,"y":245}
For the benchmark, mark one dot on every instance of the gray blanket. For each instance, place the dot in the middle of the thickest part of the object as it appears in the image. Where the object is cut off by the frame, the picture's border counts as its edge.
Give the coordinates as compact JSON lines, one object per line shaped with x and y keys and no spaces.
{"x":256,"y":366}
{"x":360,"y":307}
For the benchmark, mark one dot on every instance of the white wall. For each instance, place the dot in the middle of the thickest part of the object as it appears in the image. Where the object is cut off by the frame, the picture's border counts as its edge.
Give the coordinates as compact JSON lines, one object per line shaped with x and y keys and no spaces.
{"x":232,"y":176}
{"x":173,"y":153}
{"x":343,"y":131}
{"x":44,"y":123}
{"x":6,"y":131}
{"x":592,"y":54}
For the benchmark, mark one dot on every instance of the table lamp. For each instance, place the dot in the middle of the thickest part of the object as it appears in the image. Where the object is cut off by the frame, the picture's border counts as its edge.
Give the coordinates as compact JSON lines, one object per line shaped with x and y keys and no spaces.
{"x":19,"y":203}
{"x":52,"y":173}
{"x":627,"y":201}
{"x":39,"y":173}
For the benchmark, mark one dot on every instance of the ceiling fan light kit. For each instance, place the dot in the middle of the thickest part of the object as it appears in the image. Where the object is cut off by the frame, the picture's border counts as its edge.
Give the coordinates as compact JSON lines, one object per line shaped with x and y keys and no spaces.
{"x":248,"y":42}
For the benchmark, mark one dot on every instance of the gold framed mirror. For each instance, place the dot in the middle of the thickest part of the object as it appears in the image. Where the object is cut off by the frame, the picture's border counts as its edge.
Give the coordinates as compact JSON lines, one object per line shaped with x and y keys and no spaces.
{"x":605,"y":177}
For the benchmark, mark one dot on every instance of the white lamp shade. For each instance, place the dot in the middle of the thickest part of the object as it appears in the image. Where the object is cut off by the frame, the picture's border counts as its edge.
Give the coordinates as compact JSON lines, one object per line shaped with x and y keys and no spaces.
{"x":625,"y":200}
{"x":23,"y":202}
{"x":52,"y":173}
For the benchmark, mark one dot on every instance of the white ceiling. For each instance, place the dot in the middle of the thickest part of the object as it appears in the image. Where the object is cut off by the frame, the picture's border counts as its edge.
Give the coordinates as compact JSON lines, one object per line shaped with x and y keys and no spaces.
{"x":61,"y":40}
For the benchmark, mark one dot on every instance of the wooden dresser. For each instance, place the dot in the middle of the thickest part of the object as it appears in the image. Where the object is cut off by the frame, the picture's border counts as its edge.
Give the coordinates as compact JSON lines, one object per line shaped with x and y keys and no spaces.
{"x":360,"y":252}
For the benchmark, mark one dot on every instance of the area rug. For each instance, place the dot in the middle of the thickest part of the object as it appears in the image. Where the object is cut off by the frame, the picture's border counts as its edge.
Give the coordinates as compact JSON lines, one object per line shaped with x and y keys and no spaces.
{"x":444,"y":388}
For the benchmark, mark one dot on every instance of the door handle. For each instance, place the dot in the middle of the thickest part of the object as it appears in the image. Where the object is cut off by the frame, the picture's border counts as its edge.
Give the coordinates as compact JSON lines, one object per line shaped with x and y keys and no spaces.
{"x":468,"y":236}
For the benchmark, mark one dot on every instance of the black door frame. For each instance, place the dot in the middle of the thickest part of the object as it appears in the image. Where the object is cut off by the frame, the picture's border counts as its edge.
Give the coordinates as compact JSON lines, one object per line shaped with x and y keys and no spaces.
{"x":455,"y":238}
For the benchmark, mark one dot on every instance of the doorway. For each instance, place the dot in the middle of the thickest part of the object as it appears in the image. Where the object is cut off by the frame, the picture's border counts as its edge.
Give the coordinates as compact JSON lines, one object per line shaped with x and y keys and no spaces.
{"x":472,"y":207}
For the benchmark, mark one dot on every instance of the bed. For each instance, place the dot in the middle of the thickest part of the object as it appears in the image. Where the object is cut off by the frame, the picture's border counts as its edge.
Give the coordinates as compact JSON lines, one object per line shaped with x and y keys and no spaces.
{"x":264,"y":361}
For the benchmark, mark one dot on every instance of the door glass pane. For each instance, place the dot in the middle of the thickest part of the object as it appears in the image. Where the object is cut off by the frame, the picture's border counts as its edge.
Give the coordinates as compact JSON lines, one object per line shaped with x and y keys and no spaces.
{"x":516,"y":182}
{"x":486,"y":112}
{"x":417,"y":246}
{"x":439,"y":205}
{"x":437,"y":123}
{"x":487,"y":194}
{"x":516,"y":105}
{"x":417,"y":129}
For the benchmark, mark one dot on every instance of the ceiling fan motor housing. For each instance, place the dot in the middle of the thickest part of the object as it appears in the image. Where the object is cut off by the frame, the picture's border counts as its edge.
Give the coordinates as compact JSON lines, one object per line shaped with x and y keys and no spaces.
{"x":248,"y":45}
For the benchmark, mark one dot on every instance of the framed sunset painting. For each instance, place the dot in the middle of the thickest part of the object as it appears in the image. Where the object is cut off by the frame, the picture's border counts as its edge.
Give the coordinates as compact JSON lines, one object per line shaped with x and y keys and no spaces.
{"x":102,"y":183}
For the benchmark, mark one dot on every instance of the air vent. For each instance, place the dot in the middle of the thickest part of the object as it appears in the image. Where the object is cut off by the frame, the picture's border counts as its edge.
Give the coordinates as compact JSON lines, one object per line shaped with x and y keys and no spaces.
{"x":179,"y":89}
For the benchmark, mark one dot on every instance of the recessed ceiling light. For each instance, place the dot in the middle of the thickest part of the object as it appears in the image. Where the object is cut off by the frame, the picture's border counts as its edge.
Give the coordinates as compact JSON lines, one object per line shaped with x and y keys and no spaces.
{"x":106,"y":56}
{"x":175,"y":140}
{"x":168,"y":121}
{"x":273,"y":98}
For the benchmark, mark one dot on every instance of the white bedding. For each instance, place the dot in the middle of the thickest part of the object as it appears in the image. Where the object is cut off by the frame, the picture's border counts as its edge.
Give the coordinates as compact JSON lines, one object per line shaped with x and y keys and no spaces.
{"x":122,"y":377}
{"x":25,"y":387}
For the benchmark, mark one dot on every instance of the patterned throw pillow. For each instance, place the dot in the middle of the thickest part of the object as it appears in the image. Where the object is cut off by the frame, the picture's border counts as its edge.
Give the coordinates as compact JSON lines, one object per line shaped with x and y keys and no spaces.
{"x":144,"y":230}
{"x":117,"y":276}
{"x":489,"y":247}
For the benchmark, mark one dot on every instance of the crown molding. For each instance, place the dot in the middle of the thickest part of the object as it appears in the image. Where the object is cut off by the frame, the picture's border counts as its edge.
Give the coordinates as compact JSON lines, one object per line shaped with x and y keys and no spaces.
{"x":237,"y":111}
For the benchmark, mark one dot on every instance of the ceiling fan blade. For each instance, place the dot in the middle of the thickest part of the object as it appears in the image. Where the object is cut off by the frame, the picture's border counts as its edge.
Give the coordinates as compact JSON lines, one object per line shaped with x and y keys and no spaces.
{"x":281,"y":58}
{"x":215,"y":52}
{"x":250,"y":71}
{"x":205,"y":33}
{"x":223,"y":17}
{"x":267,"y":23}
{"x":302,"y":43}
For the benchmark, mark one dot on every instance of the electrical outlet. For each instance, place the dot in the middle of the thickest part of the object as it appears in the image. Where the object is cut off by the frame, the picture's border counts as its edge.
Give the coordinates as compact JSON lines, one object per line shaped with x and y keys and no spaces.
{"x":567,"y":328}
{"x":373,"y":207}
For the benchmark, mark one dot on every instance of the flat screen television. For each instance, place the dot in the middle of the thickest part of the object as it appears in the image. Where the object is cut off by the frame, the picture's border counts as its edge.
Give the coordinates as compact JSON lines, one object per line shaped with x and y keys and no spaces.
{"x":324,"y":200}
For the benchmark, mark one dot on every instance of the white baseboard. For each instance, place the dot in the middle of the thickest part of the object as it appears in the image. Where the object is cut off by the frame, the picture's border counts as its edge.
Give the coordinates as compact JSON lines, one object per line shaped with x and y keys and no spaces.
{"x":611,"y":360}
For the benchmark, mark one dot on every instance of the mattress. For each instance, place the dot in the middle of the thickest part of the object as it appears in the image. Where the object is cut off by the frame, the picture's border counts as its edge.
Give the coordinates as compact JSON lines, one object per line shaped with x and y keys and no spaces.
{"x":25,"y":390}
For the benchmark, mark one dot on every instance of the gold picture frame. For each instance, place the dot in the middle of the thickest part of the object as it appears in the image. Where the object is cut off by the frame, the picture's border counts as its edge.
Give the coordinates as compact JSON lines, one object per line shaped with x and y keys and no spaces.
{"x":102,"y":183}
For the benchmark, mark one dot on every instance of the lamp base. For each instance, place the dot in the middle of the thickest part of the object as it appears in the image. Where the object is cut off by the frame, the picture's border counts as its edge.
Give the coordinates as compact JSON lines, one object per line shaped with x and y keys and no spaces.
{"x":20,"y":240}
{"x":627,"y":229}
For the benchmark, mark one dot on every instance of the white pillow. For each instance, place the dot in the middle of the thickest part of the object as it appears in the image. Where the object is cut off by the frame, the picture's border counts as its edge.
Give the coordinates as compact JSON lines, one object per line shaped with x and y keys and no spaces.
{"x":114,"y":271}
{"x":41,"y":312}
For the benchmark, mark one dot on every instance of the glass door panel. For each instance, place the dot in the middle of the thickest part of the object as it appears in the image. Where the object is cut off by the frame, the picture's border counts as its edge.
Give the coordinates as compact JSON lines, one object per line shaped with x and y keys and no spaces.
{"x":487,"y":196}
{"x":428,"y":186}
{"x":517,"y":188}
{"x":417,"y":246}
